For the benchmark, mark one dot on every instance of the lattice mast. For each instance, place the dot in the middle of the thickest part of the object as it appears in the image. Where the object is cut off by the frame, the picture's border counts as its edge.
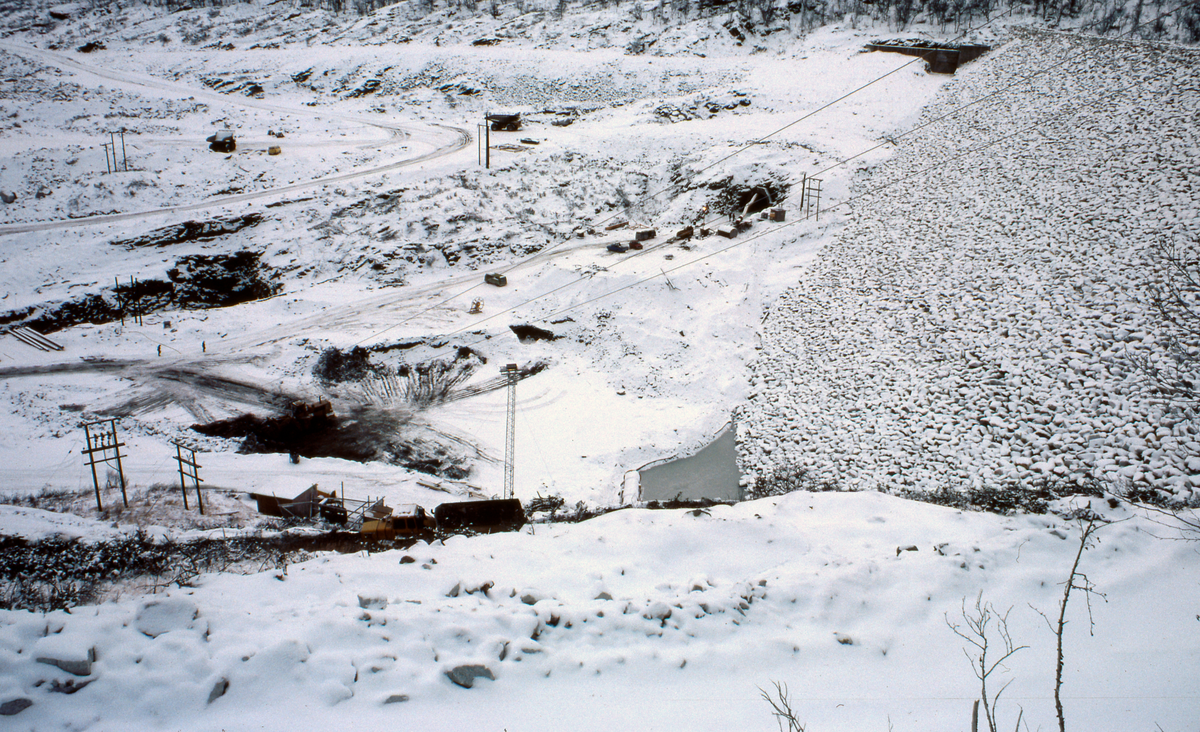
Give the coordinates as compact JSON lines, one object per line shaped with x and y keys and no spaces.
{"x":510,"y":437}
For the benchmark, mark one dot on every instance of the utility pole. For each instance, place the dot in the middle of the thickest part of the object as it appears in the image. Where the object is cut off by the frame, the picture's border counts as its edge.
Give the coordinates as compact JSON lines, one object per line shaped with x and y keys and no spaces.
{"x":188,"y":468}
{"x":487,"y":141}
{"x":510,"y":441}
{"x":102,"y":441}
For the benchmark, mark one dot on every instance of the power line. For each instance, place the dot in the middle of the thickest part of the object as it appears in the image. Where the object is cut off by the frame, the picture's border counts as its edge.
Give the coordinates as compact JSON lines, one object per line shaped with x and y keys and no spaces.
{"x":656,"y":194}
{"x":866,"y":193}
{"x":1095,"y":49}
{"x":847,"y":202}
{"x":892,"y":139}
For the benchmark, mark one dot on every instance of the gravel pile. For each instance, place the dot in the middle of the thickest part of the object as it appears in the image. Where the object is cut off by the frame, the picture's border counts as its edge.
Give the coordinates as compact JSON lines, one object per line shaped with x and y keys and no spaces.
{"x":984,"y":324}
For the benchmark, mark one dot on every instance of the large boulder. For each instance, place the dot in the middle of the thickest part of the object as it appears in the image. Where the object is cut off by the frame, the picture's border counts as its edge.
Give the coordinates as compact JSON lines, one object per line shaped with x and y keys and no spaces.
{"x":465,"y":675}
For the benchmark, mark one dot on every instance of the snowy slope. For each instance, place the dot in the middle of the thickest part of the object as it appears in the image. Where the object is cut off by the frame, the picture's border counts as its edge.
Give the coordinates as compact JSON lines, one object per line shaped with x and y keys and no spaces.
{"x":647,"y":620}
{"x":658,"y":379}
{"x":1001,"y":334}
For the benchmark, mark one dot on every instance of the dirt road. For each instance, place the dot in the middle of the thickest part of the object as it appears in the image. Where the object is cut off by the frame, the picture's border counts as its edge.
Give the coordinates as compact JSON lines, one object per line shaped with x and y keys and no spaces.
{"x":439,"y":139}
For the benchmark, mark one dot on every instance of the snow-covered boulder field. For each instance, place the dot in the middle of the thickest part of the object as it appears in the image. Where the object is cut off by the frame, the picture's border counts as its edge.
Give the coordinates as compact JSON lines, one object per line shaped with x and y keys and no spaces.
{"x":989,"y":321}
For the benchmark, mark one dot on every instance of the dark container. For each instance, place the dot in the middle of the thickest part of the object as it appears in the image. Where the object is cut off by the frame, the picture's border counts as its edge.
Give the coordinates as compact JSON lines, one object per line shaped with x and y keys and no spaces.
{"x":483,"y":516}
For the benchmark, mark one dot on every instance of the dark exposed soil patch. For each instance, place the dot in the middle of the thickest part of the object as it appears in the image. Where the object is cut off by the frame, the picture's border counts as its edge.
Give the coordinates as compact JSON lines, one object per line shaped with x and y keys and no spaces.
{"x":191,"y":231}
{"x":221,"y":279}
{"x":87,"y":309}
{"x":732,"y":197}
{"x":530,"y":333}
{"x":363,"y":435}
{"x":435,"y":343}
{"x":195,"y":282}
{"x":416,"y":384}
{"x":426,"y":456}
{"x":305,"y":431}
{"x":336,"y":365}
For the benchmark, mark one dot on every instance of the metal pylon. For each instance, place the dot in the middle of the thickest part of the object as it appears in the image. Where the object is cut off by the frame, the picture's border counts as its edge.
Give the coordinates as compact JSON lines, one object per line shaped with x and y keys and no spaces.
{"x":510,"y":438}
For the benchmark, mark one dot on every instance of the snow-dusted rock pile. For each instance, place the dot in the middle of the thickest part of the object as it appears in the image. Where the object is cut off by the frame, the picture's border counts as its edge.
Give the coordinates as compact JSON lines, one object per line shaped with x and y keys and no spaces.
{"x":467,"y":219}
{"x":981,"y":324}
{"x":702,"y":107}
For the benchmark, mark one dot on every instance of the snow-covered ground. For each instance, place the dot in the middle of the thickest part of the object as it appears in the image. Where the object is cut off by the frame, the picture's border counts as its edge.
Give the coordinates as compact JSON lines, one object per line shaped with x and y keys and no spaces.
{"x":643,"y":619}
{"x":971,"y":326}
{"x":652,"y":353}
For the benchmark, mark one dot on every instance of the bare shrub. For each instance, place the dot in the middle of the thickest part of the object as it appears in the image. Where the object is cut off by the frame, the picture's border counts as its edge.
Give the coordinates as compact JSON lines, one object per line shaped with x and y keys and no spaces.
{"x":986,"y":630}
{"x":1174,"y":294}
{"x":1089,"y":523}
{"x":789,"y":477}
{"x":781,"y":707}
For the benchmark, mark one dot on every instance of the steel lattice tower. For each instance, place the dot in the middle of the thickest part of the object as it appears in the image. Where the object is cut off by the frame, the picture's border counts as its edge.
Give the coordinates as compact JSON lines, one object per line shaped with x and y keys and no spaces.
{"x":510,"y":439}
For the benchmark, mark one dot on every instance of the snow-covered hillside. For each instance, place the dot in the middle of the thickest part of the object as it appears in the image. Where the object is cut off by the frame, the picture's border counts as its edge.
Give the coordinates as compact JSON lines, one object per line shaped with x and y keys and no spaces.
{"x":990,"y":321}
{"x":632,"y":351}
{"x":651,"y":620}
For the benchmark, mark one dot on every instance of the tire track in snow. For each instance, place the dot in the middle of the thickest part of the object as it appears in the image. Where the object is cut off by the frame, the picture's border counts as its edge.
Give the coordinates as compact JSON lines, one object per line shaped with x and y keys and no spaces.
{"x":458,"y":139}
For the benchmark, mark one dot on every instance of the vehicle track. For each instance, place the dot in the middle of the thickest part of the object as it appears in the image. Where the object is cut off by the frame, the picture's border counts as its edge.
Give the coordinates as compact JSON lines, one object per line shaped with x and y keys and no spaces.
{"x":444,"y":139}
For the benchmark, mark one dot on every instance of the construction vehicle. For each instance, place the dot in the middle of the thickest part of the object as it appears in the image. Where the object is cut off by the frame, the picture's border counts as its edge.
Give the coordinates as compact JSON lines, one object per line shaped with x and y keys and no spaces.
{"x":505,"y":122}
{"x":382,"y":524}
{"x":222,"y":141}
{"x":376,"y":521}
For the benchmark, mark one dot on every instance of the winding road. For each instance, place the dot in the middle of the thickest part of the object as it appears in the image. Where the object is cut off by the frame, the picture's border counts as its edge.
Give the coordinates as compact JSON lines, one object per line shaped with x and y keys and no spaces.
{"x":443,"y":139}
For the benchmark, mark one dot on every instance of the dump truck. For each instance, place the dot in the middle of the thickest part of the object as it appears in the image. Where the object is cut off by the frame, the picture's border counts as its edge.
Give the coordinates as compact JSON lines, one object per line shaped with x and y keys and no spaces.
{"x":222,"y":141}
{"x":505,"y":122}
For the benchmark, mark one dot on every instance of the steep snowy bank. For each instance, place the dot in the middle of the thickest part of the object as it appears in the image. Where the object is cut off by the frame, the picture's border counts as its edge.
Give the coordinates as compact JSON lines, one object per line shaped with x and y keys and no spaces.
{"x":982,"y":323}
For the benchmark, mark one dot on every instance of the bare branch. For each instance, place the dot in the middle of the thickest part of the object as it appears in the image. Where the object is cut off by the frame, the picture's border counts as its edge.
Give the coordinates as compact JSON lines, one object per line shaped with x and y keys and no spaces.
{"x":781,"y":707}
{"x":1086,"y":540}
{"x":978,"y":632}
